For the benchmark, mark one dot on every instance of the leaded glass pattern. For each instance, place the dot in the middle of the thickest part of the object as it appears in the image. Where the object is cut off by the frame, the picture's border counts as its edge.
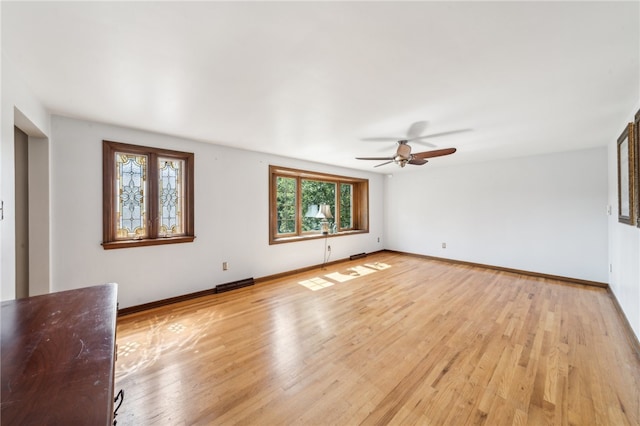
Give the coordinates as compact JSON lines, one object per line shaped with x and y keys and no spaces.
{"x":171,"y":199}
{"x":131,"y":212}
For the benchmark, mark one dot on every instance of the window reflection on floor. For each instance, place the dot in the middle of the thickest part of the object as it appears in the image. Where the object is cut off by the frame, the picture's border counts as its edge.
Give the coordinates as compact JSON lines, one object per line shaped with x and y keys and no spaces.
{"x":137,"y":351}
{"x":318,"y":283}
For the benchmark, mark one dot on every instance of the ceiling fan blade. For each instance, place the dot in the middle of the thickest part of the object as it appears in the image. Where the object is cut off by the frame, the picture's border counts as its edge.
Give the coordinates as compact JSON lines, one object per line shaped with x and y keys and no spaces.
{"x":418,"y":161}
{"x":416,"y":129}
{"x":425,"y":143}
{"x":382,"y":139}
{"x":382,"y":164}
{"x":435,"y":153}
{"x":434,"y":135}
{"x":374,"y":158}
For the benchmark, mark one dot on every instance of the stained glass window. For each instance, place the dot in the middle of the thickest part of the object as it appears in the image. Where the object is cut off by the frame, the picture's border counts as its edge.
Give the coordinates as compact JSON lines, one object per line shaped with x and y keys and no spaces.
{"x":171,"y":199}
{"x":131,"y":202}
{"x":148,"y":196}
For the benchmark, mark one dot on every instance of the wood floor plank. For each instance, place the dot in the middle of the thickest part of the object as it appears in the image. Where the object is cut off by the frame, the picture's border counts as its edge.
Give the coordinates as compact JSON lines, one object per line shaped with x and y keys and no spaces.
{"x":404,"y":341}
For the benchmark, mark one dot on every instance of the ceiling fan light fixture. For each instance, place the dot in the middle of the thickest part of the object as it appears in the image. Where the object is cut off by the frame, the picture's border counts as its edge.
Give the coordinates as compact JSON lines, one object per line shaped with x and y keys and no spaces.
{"x":404,"y":150}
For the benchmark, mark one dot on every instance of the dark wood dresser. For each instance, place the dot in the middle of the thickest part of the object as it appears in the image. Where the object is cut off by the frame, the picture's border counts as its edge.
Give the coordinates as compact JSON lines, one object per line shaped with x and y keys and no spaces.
{"x":58,"y":354}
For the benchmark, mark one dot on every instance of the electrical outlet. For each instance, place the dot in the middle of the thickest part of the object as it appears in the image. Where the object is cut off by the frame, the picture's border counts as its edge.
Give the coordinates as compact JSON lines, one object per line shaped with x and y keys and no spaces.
{"x":378,"y":239}
{"x":444,"y":245}
{"x":328,"y":248}
{"x":225,"y":266}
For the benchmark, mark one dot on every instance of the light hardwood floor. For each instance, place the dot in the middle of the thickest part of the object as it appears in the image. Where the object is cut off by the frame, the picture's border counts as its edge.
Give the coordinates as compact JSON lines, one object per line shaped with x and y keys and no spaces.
{"x":403,"y":340}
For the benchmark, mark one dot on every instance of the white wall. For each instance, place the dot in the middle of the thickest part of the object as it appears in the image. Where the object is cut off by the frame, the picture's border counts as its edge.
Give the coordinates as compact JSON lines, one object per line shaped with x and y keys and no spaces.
{"x":624,"y":247}
{"x":21,"y":108}
{"x":231,"y":219}
{"x":544,"y":214}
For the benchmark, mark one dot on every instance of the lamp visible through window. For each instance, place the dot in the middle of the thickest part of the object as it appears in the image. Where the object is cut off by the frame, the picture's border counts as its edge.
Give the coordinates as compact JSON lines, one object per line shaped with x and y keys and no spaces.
{"x":324,"y":213}
{"x":312,"y":211}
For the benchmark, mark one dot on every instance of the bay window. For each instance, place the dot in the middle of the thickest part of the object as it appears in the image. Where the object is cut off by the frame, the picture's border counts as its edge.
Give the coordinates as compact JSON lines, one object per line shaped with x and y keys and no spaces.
{"x":306,"y":204}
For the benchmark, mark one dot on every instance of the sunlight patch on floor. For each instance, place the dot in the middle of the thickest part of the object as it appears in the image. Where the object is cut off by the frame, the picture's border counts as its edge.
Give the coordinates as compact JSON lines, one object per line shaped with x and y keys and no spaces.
{"x":128,"y":348}
{"x":176,"y":327}
{"x":318,"y":283}
{"x":378,"y":265}
{"x":350,"y":273}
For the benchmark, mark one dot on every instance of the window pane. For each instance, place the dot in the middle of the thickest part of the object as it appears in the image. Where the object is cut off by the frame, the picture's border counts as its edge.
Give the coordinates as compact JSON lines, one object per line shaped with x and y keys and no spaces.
{"x":346,"y":212}
{"x":286,"y":205}
{"x":171,"y":198}
{"x":316,"y":196}
{"x":131,"y":214}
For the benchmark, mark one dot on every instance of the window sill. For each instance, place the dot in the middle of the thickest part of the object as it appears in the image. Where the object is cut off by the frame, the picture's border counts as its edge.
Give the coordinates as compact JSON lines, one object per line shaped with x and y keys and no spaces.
{"x":147,"y":242}
{"x":315,"y":236}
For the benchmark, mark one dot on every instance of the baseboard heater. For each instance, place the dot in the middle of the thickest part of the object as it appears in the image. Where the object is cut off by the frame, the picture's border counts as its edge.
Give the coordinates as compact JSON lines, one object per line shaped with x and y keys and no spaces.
{"x":221,"y":288}
{"x":357,"y":256}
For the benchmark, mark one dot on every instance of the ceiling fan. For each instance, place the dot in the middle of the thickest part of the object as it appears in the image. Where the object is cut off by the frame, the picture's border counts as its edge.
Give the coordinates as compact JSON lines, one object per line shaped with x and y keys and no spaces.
{"x":403,"y":155}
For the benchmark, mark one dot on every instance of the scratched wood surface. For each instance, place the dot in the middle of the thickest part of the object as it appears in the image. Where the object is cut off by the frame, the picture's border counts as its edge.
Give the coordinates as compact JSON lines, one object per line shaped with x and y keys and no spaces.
{"x":58,"y":354}
{"x":388,"y":339}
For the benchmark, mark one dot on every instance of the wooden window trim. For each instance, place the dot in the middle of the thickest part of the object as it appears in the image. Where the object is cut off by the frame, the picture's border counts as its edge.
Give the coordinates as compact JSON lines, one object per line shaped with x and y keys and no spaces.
{"x":360,"y":204}
{"x":109,"y":240}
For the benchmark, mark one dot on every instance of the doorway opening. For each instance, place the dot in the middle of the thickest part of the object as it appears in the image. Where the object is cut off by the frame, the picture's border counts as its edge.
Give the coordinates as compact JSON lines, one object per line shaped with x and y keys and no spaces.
{"x":21,"y":158}
{"x":32,"y":218}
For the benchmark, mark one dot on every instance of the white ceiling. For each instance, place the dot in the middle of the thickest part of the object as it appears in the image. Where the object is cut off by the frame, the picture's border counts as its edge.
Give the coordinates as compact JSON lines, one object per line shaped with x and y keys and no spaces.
{"x":311,"y":79}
